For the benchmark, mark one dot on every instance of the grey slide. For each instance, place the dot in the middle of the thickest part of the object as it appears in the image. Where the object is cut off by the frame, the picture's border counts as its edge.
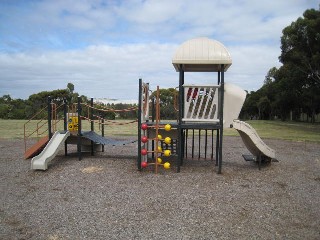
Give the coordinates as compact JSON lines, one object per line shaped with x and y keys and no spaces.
{"x":252,"y":140}
{"x":50,"y":151}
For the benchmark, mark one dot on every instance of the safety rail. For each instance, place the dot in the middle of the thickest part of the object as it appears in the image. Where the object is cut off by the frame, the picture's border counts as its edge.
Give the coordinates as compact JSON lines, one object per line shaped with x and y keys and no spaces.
{"x":201,"y":103}
{"x":28,"y":135}
{"x":41,"y":126}
{"x":55,"y":120}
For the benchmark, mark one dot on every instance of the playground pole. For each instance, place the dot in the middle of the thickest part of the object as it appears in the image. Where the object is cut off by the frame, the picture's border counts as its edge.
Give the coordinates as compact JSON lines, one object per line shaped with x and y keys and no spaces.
{"x":221,"y":119}
{"x":49,"y":118}
{"x":153,"y":119}
{"x":218,"y":131}
{"x":102,"y":130}
{"x":92,"y":125}
{"x":139,"y":123}
{"x":180,"y":130}
{"x":79,"y":129}
{"x":65,"y":124}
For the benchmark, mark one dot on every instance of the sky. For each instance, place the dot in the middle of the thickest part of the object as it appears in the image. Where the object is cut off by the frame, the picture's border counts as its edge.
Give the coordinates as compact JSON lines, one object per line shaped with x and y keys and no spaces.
{"x":103,"y":47}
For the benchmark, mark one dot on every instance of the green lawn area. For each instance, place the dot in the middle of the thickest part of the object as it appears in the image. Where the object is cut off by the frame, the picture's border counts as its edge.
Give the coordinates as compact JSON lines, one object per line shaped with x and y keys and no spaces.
{"x":14,"y":129}
{"x":293,"y":131}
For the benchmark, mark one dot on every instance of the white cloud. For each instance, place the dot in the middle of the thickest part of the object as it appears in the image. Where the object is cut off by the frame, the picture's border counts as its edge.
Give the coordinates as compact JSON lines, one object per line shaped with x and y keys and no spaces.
{"x":113,"y":71}
{"x":149,"y":12}
{"x":251,"y":64}
{"x":116,"y":42}
{"x":97,"y":71}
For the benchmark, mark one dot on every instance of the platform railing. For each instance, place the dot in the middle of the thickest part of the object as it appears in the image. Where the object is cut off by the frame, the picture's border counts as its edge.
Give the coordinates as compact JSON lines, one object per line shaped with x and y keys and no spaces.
{"x":36,"y":131}
{"x":36,"y":128}
{"x":201,"y":103}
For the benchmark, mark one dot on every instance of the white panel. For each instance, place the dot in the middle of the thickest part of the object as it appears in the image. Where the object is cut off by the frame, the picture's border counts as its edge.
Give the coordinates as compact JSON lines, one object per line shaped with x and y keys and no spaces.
{"x":198,"y":98}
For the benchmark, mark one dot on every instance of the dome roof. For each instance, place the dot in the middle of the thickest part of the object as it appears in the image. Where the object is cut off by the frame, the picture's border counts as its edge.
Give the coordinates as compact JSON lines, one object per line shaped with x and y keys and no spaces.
{"x":201,"y":55}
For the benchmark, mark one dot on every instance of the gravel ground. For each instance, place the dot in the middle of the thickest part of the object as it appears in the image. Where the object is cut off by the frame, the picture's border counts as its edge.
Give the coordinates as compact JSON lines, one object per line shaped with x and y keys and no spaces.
{"x":105,"y":197}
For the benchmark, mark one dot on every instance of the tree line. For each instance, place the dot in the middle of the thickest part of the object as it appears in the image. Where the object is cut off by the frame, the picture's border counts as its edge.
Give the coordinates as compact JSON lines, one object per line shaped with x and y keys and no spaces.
{"x":25,"y":109}
{"x":294,"y":88}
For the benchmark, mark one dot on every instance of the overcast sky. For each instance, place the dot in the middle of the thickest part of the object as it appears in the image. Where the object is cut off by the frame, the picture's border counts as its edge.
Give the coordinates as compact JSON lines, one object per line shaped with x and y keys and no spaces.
{"x":104,"y":47}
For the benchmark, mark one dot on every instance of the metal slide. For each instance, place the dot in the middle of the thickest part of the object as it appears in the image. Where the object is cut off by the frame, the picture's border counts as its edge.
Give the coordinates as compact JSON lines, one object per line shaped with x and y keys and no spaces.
{"x":252,"y":140}
{"x":50,"y":151}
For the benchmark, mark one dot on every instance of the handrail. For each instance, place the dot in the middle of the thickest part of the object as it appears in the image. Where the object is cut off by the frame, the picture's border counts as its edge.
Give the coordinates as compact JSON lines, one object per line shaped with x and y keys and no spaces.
{"x":36,"y":115}
{"x":36,"y":130}
{"x":55,"y":116}
{"x":41,"y":123}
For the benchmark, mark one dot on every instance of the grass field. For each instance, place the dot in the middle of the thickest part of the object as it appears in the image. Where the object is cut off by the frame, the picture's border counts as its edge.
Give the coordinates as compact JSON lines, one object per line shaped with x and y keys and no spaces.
{"x":294,"y":131}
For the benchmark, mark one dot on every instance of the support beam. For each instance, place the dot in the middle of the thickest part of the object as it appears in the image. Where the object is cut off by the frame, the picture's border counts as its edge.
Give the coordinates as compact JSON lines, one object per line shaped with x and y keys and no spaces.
{"x":79,"y":129}
{"x":92,"y":125}
{"x":139,"y":124}
{"x":180,"y":130}
{"x":65,"y":124}
{"x":49,"y":118}
{"x":221,"y":119}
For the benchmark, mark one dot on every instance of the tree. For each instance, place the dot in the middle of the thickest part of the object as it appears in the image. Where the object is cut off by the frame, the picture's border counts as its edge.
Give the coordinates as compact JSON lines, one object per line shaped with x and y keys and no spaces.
{"x":249,"y":109}
{"x":70,"y":87}
{"x":5,"y":98}
{"x":270,"y":77}
{"x":39,"y":100}
{"x":295,"y":86}
{"x":300,"y":45}
{"x":167,"y":98}
{"x":4,"y":110}
{"x":264,"y":107}
{"x":72,"y":97}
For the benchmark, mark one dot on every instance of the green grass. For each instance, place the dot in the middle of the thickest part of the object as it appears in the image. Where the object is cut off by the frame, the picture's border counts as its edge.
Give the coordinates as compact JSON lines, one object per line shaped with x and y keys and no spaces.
{"x":14,"y":129}
{"x":293,"y":131}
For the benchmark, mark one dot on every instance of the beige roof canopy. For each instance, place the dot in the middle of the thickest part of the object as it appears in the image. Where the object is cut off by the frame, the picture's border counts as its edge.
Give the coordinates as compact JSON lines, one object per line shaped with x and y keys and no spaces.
{"x":201,"y":55}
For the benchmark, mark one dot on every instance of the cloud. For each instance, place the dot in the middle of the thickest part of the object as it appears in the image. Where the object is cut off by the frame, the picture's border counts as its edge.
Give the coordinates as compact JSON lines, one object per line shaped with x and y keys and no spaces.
{"x":113,"y":71}
{"x":251,"y":64}
{"x":149,"y":12}
{"x":99,"y":71}
{"x":103,"y":47}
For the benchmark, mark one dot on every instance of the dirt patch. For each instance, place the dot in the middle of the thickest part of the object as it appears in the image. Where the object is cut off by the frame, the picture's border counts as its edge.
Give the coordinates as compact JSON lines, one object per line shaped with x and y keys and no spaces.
{"x":105,"y":197}
{"x":92,"y":169}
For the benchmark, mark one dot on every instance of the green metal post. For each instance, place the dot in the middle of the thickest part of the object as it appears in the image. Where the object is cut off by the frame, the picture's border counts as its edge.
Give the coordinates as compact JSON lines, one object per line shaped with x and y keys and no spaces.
{"x":79,"y":129}
{"x":92,"y":125}
{"x":221,"y":119}
{"x":49,"y":118}
{"x":139,"y":124}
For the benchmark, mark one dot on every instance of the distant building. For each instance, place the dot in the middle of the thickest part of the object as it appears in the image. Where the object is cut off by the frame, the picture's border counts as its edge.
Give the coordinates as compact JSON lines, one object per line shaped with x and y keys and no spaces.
{"x":114,"y":101}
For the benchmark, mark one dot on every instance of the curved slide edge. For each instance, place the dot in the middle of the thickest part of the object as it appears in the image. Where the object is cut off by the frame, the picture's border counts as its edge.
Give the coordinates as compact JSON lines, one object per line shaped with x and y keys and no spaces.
{"x":252,"y":140}
{"x":50,"y":151}
{"x":234,"y":98}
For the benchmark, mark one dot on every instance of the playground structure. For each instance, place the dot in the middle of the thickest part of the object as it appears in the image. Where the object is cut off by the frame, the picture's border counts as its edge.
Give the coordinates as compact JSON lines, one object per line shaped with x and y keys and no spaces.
{"x":203,"y":111}
{"x":157,"y":150}
{"x":207,"y":108}
{"x":64,"y":127}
